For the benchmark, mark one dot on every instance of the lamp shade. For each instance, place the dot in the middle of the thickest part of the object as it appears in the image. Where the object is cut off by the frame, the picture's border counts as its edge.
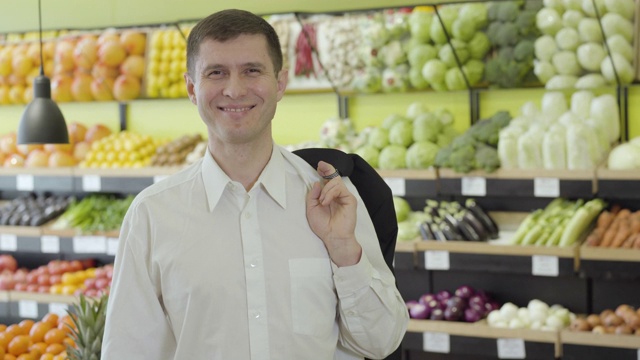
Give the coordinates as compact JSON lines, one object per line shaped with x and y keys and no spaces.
{"x":42,"y":121}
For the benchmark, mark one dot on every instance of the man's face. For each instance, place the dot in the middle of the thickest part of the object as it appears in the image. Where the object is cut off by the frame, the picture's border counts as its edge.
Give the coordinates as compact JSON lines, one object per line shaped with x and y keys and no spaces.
{"x":235,"y":88}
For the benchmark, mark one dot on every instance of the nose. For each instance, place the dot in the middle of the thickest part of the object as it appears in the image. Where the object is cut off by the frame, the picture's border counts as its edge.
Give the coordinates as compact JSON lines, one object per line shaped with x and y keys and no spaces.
{"x":235,"y":87}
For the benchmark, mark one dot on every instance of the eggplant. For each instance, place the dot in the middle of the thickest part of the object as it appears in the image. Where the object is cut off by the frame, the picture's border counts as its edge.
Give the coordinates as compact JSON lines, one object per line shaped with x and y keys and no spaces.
{"x":472,"y":220}
{"x":426,"y":232}
{"x":484,"y":218}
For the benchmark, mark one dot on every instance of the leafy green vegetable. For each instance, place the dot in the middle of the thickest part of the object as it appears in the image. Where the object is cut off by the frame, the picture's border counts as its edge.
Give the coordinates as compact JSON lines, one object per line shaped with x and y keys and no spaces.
{"x":392,"y":157}
{"x":421,"y":155}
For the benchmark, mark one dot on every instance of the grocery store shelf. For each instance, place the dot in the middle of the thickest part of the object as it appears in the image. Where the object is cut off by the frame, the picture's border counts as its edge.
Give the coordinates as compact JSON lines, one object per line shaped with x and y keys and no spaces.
{"x":27,"y":305}
{"x":618,"y":184}
{"x":406,"y":182}
{"x":36,"y":179}
{"x":15,"y":296}
{"x":479,"y":339}
{"x":4,"y":304}
{"x":130,"y":181}
{"x":405,"y":255}
{"x":606,"y":263}
{"x":591,"y":346}
{"x":45,"y":240}
{"x":511,"y":259}
{"x":519,"y":182}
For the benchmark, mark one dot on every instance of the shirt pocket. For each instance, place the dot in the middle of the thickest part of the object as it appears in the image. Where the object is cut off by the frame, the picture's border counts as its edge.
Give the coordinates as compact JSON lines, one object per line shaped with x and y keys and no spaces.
{"x":313,"y":297}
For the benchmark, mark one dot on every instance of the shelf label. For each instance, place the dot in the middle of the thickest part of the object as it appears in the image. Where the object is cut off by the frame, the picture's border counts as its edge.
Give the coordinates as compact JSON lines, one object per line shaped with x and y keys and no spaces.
{"x":159,"y":178}
{"x":58,"y":308}
{"x":546,"y":187}
{"x":511,"y":349}
{"x":24,"y":182}
{"x":50,"y":244}
{"x":436,"y":342}
{"x":28,"y":309}
{"x":112,"y":246}
{"x":9,"y":242}
{"x":436,"y":260}
{"x":474,"y":186}
{"x":91,"y":183}
{"x":397,"y":185}
{"x":89,"y":244}
{"x":545,"y":265}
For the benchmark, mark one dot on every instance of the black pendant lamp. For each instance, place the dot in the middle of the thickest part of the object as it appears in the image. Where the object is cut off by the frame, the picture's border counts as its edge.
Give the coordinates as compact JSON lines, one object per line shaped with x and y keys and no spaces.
{"x":42,"y":121}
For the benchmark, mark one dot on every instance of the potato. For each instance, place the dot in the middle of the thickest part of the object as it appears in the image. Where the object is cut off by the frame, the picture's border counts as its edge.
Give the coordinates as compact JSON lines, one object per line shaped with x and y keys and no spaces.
{"x":594,"y":320}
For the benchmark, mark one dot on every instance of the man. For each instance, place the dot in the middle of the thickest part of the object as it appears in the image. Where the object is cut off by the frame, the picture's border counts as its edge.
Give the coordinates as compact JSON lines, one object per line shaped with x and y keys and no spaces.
{"x":249,"y":253}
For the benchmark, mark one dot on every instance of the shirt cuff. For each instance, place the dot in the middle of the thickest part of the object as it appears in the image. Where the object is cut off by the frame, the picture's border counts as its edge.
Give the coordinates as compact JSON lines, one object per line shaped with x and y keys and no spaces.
{"x":350,"y":279}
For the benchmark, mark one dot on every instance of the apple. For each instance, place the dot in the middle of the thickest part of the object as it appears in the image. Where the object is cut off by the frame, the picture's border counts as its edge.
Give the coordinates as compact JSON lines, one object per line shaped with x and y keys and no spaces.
{"x":91,"y":293}
{"x":102,"y":283}
{"x":133,"y":41}
{"x":85,"y":53}
{"x":81,"y":87}
{"x":102,"y":89}
{"x":80,"y":150}
{"x":61,"y":159}
{"x":43,"y":280}
{"x":112,"y":53}
{"x":109,"y":35}
{"x":43,"y":289}
{"x":58,"y":147}
{"x":7,"y":282}
{"x":76,"y":131}
{"x":22,"y":64}
{"x":32,"y":287}
{"x":8,"y":143}
{"x":8,"y":262}
{"x":20,"y":287}
{"x":96,"y":132}
{"x":61,"y":88}
{"x":55,"y":279}
{"x":100,"y":273}
{"x":75,"y":265}
{"x":63,"y":56}
{"x":37,"y":158}
{"x":126,"y":87}
{"x":133,"y":65}
{"x":102,"y":71}
{"x":14,"y":160}
{"x":89,"y":283}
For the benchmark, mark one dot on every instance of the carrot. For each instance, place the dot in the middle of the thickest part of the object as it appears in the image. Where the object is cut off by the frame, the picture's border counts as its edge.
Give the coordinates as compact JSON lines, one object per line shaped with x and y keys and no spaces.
{"x":595,"y":237}
{"x":623,"y":233}
{"x":608,"y":236}
{"x":623,"y":214}
{"x":605,"y":219}
{"x":628,"y":244}
{"x":635,"y":226}
{"x":636,"y":244}
{"x":615,"y":209}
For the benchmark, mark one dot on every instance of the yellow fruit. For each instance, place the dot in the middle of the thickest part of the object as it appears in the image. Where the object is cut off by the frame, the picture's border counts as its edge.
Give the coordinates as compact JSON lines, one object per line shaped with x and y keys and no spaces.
{"x":69,"y":278}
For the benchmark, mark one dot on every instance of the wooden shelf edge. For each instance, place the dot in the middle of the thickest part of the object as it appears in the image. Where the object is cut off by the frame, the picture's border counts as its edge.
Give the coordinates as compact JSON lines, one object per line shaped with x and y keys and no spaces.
{"x":603,"y":340}
{"x":35,"y":171}
{"x":607,"y":174}
{"x":41,"y":298}
{"x":406,"y":246}
{"x":481,"y":330}
{"x":609,"y":254}
{"x":485,"y":248}
{"x":34,"y":231}
{"x":131,"y":173}
{"x":4,"y":296}
{"x":410,"y":174}
{"x":522,"y":174}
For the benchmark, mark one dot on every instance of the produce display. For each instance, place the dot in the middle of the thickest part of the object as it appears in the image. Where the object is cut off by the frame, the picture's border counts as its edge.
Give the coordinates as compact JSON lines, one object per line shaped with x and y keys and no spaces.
{"x":464,"y":304}
{"x":167,"y":63}
{"x":561,"y":134}
{"x":616,"y":228}
{"x":625,"y":156}
{"x":623,"y":320}
{"x":561,"y":223}
{"x":33,"y":210}
{"x":444,"y":221}
{"x":175,"y":152}
{"x":48,"y":338}
{"x":339,"y":38}
{"x":94,"y":213}
{"x":88,"y":328}
{"x":50,"y":278}
{"x":51,"y":155}
{"x":572,"y":51}
{"x":476,"y":147}
{"x":125,"y":149}
{"x":511,"y":32}
{"x":537,"y":315}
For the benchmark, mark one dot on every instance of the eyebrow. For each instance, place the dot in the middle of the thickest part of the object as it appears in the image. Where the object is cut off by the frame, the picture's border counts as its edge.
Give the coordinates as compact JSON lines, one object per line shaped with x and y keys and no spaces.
{"x":245,"y":65}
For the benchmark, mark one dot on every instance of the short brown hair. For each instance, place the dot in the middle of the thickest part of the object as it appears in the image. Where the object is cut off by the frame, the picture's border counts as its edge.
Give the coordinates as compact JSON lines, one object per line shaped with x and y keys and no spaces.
{"x":227,"y":25}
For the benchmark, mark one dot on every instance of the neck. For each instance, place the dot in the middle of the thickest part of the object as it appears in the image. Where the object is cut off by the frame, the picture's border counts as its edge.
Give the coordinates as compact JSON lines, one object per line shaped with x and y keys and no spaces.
{"x":241,"y":162}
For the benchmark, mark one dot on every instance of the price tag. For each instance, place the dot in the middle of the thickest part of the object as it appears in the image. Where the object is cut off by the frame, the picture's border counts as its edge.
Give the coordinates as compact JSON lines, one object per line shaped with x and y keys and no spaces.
{"x":9,"y":242}
{"x":474,"y":186}
{"x":158,"y":178}
{"x":544,"y":265}
{"x":397,"y":186}
{"x":50,"y":244}
{"x":436,"y":260}
{"x":112,"y":246}
{"x":511,"y":349}
{"x":24,"y":182}
{"x":28,"y":309}
{"x":546,"y":187}
{"x":91,"y":183}
{"x":58,"y":308}
{"x":436,"y":342}
{"x":89,"y":244}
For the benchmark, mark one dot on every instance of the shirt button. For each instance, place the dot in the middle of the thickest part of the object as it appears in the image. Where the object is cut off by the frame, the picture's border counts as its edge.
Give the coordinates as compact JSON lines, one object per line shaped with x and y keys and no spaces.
{"x":256,"y":315}
{"x":351,"y":313}
{"x":253,"y":265}
{"x":247,"y":215}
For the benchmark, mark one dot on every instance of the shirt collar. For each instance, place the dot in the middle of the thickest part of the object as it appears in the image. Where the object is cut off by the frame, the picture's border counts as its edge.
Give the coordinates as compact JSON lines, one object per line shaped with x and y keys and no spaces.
{"x":272,"y":178}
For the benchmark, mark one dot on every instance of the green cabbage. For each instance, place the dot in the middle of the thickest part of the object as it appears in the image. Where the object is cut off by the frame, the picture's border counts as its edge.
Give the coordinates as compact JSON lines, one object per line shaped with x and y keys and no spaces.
{"x":370,"y":154}
{"x":401,"y":134}
{"x":402,"y":207}
{"x":392,"y":157}
{"x":421,"y":155}
{"x":426,"y":127}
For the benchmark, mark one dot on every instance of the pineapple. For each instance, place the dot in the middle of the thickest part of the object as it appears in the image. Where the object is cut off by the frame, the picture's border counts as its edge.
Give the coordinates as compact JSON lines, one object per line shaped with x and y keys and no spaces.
{"x":89,"y":320}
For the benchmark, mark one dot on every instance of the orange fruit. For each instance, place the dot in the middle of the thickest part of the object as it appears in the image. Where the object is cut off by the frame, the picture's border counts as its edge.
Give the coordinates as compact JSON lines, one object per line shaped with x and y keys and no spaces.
{"x":2,"y":327}
{"x":61,"y":356}
{"x":39,"y":347}
{"x":2,"y":353}
{"x":46,"y":357}
{"x":51,"y":318}
{"x":13,"y":330}
{"x":26,"y":357}
{"x":26,"y":325}
{"x":54,"y":336}
{"x":38,"y":330}
{"x":9,"y":357}
{"x":69,"y":341}
{"x":19,"y":345}
{"x":64,"y":322}
{"x":5,"y":338}
{"x":55,"y":349}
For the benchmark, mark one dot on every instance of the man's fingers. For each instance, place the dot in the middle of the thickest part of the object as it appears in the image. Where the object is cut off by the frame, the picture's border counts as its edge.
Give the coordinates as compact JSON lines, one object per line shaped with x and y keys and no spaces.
{"x":325,"y":169}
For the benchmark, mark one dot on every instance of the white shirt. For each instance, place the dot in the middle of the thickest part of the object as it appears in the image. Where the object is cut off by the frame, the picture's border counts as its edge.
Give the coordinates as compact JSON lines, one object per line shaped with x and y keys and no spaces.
{"x":207,"y":270}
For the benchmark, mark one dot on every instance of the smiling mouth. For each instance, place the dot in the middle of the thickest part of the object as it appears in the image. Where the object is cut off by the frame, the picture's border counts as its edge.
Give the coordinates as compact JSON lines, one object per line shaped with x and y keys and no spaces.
{"x":237,"y":110}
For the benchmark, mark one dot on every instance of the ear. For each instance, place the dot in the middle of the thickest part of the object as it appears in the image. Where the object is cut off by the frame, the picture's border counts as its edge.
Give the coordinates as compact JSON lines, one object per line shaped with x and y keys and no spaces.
{"x":283,"y":79}
{"x":190,"y":88}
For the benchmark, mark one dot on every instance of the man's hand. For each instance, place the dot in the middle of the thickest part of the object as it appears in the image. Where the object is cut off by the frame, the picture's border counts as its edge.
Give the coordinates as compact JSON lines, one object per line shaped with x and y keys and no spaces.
{"x":331,"y":213}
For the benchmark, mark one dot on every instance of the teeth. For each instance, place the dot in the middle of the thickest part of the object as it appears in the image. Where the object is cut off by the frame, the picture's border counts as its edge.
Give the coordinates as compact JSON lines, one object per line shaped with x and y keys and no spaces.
{"x":237,"y":110}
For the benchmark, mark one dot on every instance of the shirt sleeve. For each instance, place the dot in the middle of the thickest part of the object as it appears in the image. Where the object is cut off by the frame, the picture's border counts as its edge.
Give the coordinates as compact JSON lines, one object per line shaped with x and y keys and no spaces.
{"x":134,"y":311}
{"x":372,"y":317}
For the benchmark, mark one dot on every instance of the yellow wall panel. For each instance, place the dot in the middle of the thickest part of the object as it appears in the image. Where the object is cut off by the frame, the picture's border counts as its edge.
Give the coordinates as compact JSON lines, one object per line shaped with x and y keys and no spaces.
{"x":634,"y":112}
{"x":299,"y":117}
